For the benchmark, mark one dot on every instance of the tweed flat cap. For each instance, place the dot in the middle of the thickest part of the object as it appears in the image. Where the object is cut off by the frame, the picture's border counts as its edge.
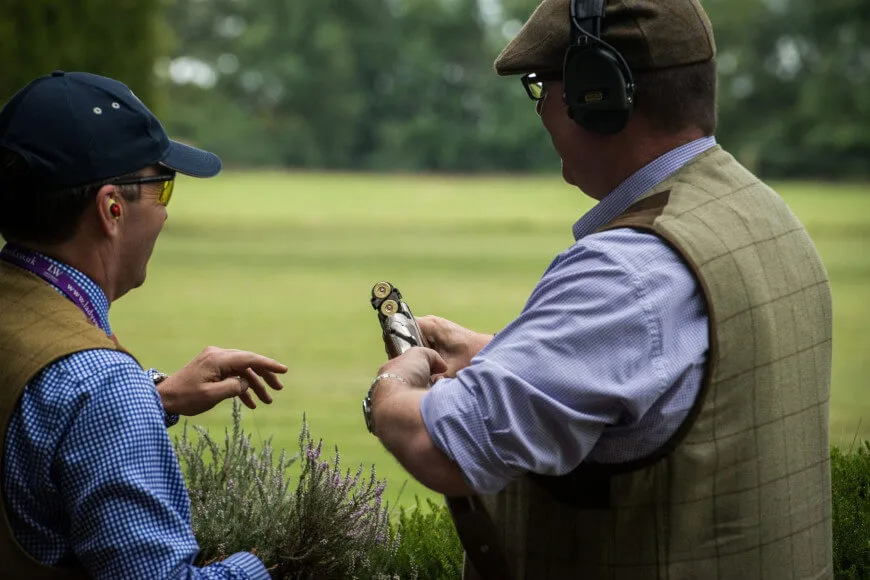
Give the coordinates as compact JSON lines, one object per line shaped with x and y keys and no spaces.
{"x":650,"y":34}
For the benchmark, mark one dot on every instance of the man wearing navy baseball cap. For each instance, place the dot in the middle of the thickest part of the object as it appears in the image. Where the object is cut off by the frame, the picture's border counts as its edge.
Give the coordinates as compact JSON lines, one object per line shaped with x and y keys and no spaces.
{"x":91,"y":486}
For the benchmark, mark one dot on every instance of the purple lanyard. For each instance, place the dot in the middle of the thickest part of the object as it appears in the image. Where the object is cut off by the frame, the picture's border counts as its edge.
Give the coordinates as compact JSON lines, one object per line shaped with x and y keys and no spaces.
{"x":51,"y":273}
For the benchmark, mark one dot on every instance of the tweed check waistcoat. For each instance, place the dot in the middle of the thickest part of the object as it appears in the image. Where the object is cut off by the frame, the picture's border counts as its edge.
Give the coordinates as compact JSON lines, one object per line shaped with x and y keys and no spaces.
{"x":743,"y":488}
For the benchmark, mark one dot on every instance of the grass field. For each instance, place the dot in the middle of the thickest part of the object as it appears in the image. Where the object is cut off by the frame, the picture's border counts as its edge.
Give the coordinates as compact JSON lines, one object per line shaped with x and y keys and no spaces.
{"x":282,"y":264}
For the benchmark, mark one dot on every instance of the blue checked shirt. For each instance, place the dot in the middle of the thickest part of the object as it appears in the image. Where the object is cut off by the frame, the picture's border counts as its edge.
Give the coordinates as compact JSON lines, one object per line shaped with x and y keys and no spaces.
{"x":602,"y":365}
{"x":90,"y":472}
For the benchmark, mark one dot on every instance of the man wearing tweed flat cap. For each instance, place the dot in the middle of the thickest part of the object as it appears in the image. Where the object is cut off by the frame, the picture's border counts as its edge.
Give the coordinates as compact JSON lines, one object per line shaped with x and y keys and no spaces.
{"x":659,"y":409}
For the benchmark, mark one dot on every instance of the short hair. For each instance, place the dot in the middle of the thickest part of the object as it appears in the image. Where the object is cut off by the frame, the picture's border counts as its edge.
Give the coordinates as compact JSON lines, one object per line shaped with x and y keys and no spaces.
{"x":44,"y":217}
{"x":677,"y":98}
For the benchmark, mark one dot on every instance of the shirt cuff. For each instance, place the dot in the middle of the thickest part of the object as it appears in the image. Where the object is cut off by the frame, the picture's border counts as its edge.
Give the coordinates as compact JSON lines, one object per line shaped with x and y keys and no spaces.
{"x":169,"y":419}
{"x":249,"y":565}
{"x":457,"y":429}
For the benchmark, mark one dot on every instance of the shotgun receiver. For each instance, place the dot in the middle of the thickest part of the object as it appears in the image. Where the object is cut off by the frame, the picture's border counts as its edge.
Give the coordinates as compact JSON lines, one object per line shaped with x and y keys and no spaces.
{"x":474,"y":526}
{"x":398,"y":325}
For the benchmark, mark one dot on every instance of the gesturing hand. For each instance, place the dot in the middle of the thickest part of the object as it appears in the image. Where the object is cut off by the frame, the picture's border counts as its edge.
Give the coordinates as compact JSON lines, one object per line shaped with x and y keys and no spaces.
{"x":456,"y":345}
{"x":217,"y":374}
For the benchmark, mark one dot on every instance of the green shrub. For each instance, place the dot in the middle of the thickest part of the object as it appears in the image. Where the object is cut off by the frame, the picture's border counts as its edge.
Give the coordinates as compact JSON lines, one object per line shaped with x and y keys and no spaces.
{"x":850,"y":483}
{"x":424,"y":544}
{"x":332,"y":524}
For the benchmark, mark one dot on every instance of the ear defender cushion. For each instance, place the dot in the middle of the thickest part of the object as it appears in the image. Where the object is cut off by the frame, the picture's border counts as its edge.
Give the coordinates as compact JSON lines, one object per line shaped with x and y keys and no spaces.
{"x":596,"y":89}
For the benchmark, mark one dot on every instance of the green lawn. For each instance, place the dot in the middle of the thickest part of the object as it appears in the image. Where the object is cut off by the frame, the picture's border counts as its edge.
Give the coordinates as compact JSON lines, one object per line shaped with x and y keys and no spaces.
{"x":282,"y":263}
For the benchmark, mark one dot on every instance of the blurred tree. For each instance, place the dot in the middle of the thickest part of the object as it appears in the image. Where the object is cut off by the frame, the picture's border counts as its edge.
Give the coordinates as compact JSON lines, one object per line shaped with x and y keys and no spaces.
{"x":408,"y":84}
{"x":372,"y":84}
{"x":116,"y":38}
{"x":794,"y":88}
{"x":302,"y":75}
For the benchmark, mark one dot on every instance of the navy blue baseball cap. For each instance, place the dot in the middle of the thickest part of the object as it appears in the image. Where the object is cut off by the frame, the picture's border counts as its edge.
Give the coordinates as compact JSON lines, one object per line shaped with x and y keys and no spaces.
{"x":75,"y":128}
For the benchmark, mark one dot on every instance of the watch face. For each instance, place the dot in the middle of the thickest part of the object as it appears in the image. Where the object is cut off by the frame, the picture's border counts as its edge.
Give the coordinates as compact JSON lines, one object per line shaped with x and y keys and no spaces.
{"x":157,"y":376}
{"x":367,"y":414}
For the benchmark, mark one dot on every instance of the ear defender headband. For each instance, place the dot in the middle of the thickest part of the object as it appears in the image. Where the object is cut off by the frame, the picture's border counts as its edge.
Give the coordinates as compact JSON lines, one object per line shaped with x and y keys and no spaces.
{"x":599,"y":87}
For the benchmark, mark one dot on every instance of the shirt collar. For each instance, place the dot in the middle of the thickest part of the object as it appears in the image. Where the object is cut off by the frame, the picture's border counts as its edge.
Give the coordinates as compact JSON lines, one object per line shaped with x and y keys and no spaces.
{"x":641,"y":181}
{"x":91,"y":288}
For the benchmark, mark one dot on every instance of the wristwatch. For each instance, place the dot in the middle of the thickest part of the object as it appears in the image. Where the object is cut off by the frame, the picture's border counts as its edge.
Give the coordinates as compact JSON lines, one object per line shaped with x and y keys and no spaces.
{"x":367,"y":402}
{"x":157,"y":376}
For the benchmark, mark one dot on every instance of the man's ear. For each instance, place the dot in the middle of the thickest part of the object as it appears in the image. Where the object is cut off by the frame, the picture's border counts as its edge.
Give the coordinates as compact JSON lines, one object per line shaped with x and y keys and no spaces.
{"x":110,"y":209}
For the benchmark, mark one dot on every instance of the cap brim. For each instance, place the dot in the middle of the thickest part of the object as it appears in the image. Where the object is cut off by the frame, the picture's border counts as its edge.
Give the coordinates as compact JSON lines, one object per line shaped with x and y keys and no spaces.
{"x":191,"y":161}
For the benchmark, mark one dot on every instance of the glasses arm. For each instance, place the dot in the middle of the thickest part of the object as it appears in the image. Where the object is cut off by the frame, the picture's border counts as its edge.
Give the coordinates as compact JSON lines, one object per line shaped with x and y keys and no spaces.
{"x":149,"y":179}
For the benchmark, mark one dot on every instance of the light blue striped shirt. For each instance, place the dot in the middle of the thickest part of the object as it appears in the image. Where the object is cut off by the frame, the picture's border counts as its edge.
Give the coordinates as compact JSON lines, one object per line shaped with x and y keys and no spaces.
{"x":90,"y":473}
{"x":602,"y":365}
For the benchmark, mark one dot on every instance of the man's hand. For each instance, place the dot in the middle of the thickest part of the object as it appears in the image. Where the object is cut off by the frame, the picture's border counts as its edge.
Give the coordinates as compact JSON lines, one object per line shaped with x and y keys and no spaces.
{"x":399,"y":423}
{"x":456,"y":345}
{"x":217,"y":374}
{"x":418,"y":366}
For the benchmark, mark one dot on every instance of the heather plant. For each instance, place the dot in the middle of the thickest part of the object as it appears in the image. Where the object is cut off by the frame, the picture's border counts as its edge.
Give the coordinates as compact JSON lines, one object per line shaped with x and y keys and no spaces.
{"x":330,"y":524}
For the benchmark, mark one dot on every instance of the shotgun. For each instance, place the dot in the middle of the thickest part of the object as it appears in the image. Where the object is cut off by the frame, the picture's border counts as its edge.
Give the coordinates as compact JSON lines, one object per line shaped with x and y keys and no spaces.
{"x":477,"y":532}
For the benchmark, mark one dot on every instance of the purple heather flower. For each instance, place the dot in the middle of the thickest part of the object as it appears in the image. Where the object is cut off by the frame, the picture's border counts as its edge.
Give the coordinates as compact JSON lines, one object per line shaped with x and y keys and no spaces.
{"x":359,"y":513}
{"x":312,"y":453}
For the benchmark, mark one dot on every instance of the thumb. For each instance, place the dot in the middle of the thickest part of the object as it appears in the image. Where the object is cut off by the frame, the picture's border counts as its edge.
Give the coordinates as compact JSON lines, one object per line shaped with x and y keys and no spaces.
{"x":436,"y":363}
{"x":235,"y":386}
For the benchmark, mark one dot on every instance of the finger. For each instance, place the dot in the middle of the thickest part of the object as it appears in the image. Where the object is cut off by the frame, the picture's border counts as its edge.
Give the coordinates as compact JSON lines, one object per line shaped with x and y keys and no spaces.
{"x":233,"y":362}
{"x":257,"y":386}
{"x":248,"y":400}
{"x":230,"y":387}
{"x":272,"y":380}
{"x":428,"y":328}
{"x":426,"y":321}
{"x":245,"y":392}
{"x":436,"y":363}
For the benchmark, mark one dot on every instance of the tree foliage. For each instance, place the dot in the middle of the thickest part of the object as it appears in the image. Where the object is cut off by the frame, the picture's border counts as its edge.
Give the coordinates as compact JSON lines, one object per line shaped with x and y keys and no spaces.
{"x":380,"y":84}
{"x":409,"y":85}
{"x":795,"y":84}
{"x":116,"y":38}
